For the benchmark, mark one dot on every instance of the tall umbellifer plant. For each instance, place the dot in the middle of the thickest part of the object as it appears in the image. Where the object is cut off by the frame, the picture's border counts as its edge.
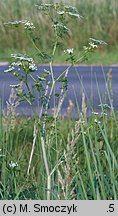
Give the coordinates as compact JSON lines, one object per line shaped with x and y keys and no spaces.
{"x":24,"y":68}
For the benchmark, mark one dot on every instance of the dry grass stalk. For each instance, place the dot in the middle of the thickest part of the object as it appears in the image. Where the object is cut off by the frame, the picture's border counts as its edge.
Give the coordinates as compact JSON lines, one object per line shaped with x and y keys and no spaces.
{"x":68,"y":169}
{"x":62,"y":96}
{"x":70,"y":108}
{"x":32,"y":150}
{"x":84,"y":108}
{"x":9,"y":118}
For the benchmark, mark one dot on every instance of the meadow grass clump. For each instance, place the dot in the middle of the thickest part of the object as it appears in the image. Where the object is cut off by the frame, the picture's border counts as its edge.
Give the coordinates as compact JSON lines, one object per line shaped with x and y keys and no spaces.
{"x":52,"y":157}
{"x":82,"y":153}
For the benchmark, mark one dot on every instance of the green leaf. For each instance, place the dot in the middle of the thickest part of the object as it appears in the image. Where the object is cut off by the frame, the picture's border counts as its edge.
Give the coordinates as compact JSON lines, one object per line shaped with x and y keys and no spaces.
{"x":56,"y":95}
{"x":45,"y":58}
{"x":62,"y":79}
{"x":46,"y":71}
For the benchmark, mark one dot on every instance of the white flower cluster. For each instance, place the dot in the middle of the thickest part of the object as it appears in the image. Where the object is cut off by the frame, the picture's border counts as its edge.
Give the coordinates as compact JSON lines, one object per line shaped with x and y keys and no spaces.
{"x":69,"y":13}
{"x":44,"y":7}
{"x":18,"y":63}
{"x":13,"y":164}
{"x":61,"y":26}
{"x":32,"y":67}
{"x":69,"y":51}
{"x":93,"y":45}
{"x":96,"y":121}
{"x":16,"y":22}
{"x":97,"y":42}
{"x":16,"y":86}
{"x":19,"y":59}
{"x":29,"y":25}
{"x":10,"y":69}
{"x":60,"y":12}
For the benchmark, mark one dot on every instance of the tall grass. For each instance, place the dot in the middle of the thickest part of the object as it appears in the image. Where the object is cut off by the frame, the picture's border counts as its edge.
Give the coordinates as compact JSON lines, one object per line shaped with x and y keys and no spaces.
{"x":52,"y":157}
{"x":99,"y":21}
{"x":82,"y":155}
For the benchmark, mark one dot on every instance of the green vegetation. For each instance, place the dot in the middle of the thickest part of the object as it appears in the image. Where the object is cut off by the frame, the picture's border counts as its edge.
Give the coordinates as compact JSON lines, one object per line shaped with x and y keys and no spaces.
{"x":99,"y":21}
{"x":82,"y":156}
{"x":106,"y":57}
{"x":54,"y":157}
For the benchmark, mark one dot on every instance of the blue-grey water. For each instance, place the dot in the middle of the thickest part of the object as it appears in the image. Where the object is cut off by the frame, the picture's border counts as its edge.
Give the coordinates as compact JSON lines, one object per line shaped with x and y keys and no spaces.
{"x":91,"y":79}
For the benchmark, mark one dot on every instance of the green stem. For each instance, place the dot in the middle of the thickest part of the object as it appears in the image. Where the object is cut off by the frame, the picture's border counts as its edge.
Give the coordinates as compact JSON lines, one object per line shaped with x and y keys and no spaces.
{"x":55,"y":47}
{"x":26,"y":83}
{"x":35,"y":46}
{"x":63,"y":72}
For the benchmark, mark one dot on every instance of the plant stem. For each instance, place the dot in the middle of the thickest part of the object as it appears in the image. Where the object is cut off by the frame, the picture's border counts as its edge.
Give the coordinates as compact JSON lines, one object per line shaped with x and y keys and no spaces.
{"x":32,"y":150}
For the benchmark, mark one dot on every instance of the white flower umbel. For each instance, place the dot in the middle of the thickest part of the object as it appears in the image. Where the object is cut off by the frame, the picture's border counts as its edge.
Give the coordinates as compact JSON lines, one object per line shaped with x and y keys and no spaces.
{"x":96,"y":121}
{"x":93,"y":45}
{"x":13,"y":164}
{"x":32,"y":67}
{"x":60,"y":12}
{"x":29,"y":25}
{"x":21,"y":57}
{"x":10,"y":69}
{"x":26,"y":23}
{"x":69,"y":51}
